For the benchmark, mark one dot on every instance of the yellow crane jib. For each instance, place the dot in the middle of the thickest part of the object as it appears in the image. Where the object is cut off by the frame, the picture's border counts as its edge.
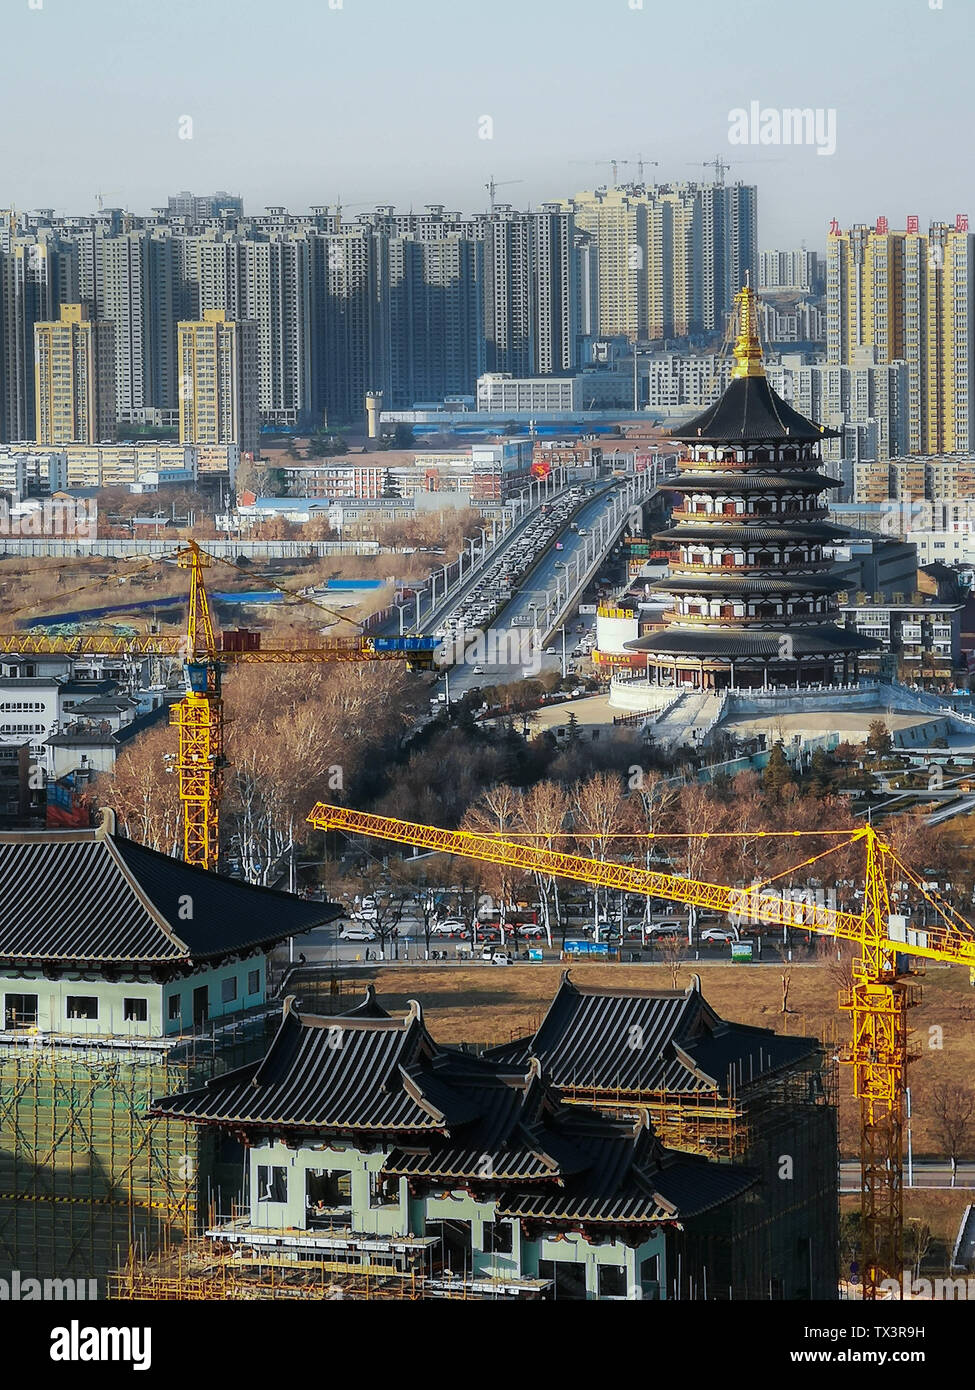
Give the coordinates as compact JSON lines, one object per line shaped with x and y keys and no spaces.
{"x":877,"y":1000}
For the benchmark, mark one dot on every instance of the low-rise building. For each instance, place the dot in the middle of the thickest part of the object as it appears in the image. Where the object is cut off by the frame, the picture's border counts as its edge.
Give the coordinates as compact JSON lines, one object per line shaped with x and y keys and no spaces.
{"x":142,"y":946}
{"x":375,"y":1148}
{"x":920,"y":641}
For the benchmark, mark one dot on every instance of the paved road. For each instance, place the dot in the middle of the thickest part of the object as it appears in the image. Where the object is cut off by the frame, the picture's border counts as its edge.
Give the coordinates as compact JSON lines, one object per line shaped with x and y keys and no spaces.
{"x":524,"y":611}
{"x":928,"y":1172}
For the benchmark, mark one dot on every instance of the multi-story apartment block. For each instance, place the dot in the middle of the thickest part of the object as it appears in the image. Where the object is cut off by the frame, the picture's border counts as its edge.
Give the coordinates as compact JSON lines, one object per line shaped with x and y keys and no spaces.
{"x":36,"y":473}
{"x":920,"y":641}
{"x":796,"y":321}
{"x":670,"y":379}
{"x":670,"y":257}
{"x":911,"y":296}
{"x":74,"y":379}
{"x":797,"y":269}
{"x":218,"y":362}
{"x":121,"y":465}
{"x":501,"y":391}
{"x":530,"y":292}
{"x":861,"y":394}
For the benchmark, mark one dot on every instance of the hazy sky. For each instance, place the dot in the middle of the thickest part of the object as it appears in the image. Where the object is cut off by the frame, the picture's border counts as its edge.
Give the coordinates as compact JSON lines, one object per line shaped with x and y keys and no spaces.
{"x":295,"y":102}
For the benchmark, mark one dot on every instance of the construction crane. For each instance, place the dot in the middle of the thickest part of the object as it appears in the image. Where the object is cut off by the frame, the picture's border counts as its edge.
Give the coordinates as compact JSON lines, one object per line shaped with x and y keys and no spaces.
{"x":640,"y":164}
{"x":877,"y":1001}
{"x":492,"y":185}
{"x":199,"y":714}
{"x":721,"y":166}
{"x":614,"y":164}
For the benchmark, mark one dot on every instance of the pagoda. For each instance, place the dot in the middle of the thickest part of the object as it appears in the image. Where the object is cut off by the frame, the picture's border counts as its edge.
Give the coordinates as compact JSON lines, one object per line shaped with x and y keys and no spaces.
{"x":754,"y":595}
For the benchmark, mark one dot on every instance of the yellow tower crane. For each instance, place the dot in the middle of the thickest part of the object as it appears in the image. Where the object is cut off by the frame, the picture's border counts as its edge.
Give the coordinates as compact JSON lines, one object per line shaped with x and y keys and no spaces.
{"x":199,"y":714}
{"x":877,"y":1001}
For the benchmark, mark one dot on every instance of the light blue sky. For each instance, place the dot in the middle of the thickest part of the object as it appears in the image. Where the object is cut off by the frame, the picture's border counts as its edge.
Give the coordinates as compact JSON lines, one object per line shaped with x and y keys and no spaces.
{"x":294,"y":102}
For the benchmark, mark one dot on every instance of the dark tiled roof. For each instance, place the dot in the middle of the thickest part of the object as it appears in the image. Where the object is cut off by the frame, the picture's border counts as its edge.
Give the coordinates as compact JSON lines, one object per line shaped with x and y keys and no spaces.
{"x":753,"y":533}
{"x":343,"y":1072}
{"x":628,"y":1179}
{"x":729,"y":582}
{"x":749,"y":411}
{"x":642,"y":1040}
{"x":462,"y":1119}
{"x":764,"y":642}
{"x":89,"y":896}
{"x":746,"y":480}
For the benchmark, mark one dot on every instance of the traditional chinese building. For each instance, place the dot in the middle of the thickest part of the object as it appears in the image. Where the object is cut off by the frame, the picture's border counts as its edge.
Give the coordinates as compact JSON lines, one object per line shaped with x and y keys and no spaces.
{"x":753,"y":592}
{"x":709,"y":1086}
{"x":372,"y":1151}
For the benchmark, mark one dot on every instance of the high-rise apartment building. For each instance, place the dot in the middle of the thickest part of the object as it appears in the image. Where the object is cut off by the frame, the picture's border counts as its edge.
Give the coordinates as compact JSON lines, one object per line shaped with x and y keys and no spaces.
{"x":137,"y":288}
{"x":37,"y":274}
{"x":198,"y":209}
{"x":218,"y":384}
{"x":671,"y":257}
{"x":911,"y":296}
{"x":530,"y":292}
{"x":797,"y":269}
{"x":74,"y":379}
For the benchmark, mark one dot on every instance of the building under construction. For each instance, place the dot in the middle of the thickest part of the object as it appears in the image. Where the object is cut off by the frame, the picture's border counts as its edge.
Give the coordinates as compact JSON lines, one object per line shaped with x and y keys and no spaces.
{"x":380,"y":1164}
{"x":730,"y":1092}
{"x":123,"y":974}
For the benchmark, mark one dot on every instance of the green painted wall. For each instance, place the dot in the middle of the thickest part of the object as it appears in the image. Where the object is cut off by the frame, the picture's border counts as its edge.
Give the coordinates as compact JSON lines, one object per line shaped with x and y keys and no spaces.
{"x":53,"y":996}
{"x":111,"y":996}
{"x":213,"y":979}
{"x":409,"y":1215}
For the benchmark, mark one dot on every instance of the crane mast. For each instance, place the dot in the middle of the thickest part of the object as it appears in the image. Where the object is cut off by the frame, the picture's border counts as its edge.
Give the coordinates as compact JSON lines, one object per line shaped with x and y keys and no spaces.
{"x":877,"y":1001}
{"x":199,"y":714}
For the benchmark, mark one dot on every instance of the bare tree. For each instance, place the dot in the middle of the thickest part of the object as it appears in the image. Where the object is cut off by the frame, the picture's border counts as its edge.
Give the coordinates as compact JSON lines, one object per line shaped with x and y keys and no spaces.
{"x":543,"y":812}
{"x":917,"y":1243}
{"x":496,"y":813}
{"x":374,"y":902}
{"x":954,"y":1109}
{"x":144,"y":792}
{"x":673,"y":951}
{"x":600,"y":812}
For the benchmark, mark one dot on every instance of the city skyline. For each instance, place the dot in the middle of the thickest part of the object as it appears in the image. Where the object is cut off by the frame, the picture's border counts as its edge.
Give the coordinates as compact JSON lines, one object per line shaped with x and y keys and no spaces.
{"x":355,"y":124}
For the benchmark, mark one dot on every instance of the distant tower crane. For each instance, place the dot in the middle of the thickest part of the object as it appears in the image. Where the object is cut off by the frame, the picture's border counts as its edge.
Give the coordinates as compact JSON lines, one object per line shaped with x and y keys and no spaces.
{"x":199,"y":714}
{"x":877,"y":1001}
{"x":614,"y":165}
{"x":492,"y":185}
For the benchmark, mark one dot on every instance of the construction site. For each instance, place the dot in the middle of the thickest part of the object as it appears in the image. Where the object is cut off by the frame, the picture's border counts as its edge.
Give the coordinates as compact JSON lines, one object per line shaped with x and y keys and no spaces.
{"x":115,"y":1165}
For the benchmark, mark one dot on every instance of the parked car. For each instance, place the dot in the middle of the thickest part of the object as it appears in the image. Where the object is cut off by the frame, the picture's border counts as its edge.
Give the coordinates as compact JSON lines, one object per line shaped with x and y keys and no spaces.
{"x":448,"y":927}
{"x":353,"y":931}
{"x":494,"y":957}
{"x":666,"y":929}
{"x":719,"y":934}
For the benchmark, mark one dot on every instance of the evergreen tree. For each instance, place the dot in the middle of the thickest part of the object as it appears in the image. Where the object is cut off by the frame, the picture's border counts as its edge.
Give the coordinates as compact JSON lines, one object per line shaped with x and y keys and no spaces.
{"x":778,"y":773}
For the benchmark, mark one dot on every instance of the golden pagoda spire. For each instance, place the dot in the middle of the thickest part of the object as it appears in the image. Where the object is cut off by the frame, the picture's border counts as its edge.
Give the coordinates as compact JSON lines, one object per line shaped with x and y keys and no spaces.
{"x":747,"y":349}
